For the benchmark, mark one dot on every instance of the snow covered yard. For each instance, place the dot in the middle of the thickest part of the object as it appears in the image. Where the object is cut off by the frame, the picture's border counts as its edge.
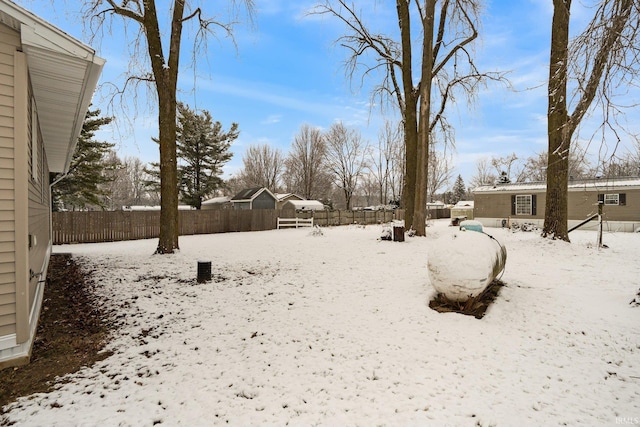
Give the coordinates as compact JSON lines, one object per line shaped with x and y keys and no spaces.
{"x":336,"y":330}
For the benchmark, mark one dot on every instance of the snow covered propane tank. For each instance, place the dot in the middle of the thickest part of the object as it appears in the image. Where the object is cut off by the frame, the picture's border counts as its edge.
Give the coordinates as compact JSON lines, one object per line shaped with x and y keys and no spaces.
{"x":463,"y":263}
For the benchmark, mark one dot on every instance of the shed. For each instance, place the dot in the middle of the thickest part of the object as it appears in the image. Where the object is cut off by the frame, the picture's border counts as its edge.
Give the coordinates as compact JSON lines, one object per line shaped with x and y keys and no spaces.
{"x":525,"y":202}
{"x":285,"y":197}
{"x":462,"y":209}
{"x":304,"y":205}
{"x":435,"y":205}
{"x":217,"y":203}
{"x":254,"y":198}
{"x":46,"y":85}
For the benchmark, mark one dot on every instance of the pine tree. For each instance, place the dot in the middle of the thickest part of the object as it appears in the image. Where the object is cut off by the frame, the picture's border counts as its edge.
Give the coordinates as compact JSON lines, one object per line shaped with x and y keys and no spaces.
{"x":459,"y":190}
{"x":82,"y":186}
{"x":203,"y":148}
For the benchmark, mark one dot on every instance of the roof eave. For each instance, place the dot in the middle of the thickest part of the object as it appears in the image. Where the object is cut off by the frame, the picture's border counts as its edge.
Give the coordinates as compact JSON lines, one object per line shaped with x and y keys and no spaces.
{"x":64,"y":73}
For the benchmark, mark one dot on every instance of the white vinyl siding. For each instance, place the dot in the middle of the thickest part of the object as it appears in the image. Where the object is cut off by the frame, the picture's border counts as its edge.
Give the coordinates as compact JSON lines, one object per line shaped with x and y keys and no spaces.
{"x":9,"y":41}
{"x":33,"y":142}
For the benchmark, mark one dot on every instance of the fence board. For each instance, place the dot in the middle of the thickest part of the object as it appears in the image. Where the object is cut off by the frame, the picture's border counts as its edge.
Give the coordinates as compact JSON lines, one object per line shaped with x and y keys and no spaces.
{"x":110,"y":226}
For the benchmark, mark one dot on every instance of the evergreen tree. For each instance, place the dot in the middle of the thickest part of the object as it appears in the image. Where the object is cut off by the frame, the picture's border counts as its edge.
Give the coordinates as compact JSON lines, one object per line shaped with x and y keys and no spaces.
{"x":203,"y":148}
{"x":459,"y":190}
{"x":82,"y":186}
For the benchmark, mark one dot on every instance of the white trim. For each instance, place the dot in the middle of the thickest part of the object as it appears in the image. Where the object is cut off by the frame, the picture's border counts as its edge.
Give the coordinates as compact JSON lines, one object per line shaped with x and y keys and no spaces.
{"x":17,"y":352}
{"x":35,"y":308}
{"x":8,"y":341}
{"x":608,"y":226}
{"x":23,"y":349}
{"x":22,"y":176}
{"x":294,"y":222}
{"x":37,"y":304}
{"x":610,"y":199}
{"x":54,"y":59}
{"x":9,"y":348}
{"x":524,"y":204}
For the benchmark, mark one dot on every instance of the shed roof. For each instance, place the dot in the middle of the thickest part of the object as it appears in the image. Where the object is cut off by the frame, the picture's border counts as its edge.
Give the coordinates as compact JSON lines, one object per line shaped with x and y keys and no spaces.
{"x":249,"y":194}
{"x":593,"y":184}
{"x":285,"y":196}
{"x":464,"y":204}
{"x":308,"y":205}
{"x":217,"y":200}
{"x":64,"y":73}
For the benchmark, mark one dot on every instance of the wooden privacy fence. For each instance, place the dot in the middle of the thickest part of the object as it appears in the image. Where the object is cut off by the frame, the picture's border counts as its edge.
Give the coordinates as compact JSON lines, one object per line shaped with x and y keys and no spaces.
{"x":113,"y":226}
{"x":438,"y":213}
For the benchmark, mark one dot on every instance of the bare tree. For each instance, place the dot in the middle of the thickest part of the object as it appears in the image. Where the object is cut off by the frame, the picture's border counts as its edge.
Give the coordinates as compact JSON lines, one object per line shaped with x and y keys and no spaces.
{"x":306,"y":174}
{"x":234,"y":184}
{"x":263,"y":167}
{"x":619,"y":164}
{"x":535,"y":167}
{"x":396,"y":176}
{"x":368,"y":189}
{"x":444,"y":68}
{"x":601,"y":60}
{"x":136,"y":176}
{"x":440,"y":173}
{"x":160,"y":51}
{"x":384,"y":159}
{"x":484,"y":174}
{"x":346,"y":153}
{"x":623,"y":166}
{"x":129,"y":184}
{"x":509,"y":168}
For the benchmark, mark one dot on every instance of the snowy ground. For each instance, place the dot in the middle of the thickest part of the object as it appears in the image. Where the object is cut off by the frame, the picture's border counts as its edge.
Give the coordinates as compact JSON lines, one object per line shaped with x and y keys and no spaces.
{"x":336,"y":330}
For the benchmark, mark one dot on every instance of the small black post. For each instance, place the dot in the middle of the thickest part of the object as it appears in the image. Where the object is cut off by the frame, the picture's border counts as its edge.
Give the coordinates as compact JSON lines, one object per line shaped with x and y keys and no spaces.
{"x":204,"y":271}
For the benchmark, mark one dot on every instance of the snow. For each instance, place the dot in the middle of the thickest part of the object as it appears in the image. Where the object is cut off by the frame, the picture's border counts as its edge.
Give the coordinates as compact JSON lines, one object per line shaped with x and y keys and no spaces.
{"x":299,"y":328}
{"x":594,"y":184}
{"x":462,"y":263}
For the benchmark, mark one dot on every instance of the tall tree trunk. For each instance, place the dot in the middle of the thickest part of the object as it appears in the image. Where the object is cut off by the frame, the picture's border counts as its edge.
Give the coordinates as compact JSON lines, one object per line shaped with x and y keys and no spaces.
{"x":168,"y":240}
{"x":556,"y":206}
{"x":410,"y":120}
{"x":561,"y":125}
{"x":420,"y":206}
{"x":166,"y":79}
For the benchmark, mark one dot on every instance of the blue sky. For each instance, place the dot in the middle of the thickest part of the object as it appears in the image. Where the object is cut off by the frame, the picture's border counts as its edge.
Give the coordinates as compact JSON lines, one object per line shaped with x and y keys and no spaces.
{"x":285,"y":70}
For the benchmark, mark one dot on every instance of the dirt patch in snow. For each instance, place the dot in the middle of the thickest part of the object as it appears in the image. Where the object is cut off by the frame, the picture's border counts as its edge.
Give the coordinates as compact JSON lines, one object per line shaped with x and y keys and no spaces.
{"x":72,"y":331}
{"x":476,"y":307}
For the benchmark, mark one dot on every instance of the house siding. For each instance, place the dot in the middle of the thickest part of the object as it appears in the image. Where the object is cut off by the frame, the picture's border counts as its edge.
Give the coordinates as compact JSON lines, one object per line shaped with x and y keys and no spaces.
{"x":264,"y":201}
{"x":9,"y":41}
{"x":582,"y":203}
{"x":629,"y":212}
{"x":500,"y":205}
{"x":39,"y":219}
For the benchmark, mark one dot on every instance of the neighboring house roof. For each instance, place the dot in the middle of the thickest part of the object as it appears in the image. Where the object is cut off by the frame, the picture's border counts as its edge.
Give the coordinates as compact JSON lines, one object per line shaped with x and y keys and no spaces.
{"x":305,"y":205}
{"x":435,"y":204}
{"x":462,"y":204}
{"x":64,"y":73}
{"x":593,"y":184}
{"x":286,"y":196}
{"x":217,"y":200}
{"x":248,"y":194}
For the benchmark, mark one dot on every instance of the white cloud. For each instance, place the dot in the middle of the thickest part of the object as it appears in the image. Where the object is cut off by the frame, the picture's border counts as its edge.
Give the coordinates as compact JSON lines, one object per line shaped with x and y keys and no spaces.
{"x":271,"y":119}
